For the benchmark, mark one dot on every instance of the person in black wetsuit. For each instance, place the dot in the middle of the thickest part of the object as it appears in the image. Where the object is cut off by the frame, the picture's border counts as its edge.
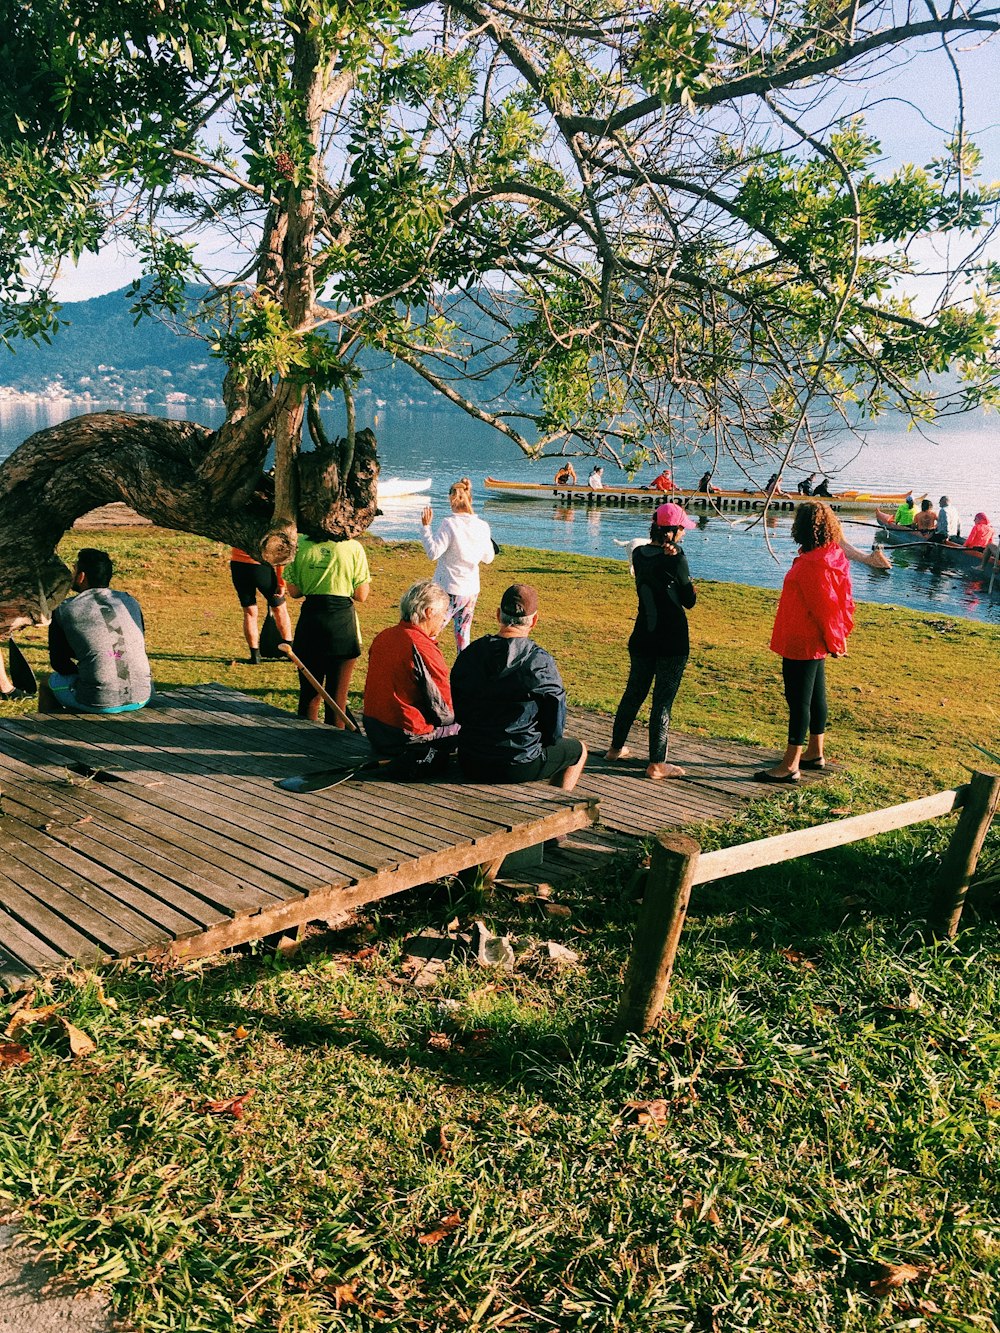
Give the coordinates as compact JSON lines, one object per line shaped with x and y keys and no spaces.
{"x":658,"y":646}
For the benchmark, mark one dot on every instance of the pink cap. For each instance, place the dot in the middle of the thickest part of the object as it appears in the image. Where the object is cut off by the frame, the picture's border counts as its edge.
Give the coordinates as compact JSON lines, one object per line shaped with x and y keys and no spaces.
{"x":673,"y":516}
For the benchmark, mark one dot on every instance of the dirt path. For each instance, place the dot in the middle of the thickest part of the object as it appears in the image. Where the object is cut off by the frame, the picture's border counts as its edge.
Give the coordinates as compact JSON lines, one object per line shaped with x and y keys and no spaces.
{"x":28,"y":1306}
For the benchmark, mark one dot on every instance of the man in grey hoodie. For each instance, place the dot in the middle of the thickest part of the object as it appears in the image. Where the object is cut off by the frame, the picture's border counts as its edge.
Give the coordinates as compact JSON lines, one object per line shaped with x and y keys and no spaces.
{"x":97,"y":646}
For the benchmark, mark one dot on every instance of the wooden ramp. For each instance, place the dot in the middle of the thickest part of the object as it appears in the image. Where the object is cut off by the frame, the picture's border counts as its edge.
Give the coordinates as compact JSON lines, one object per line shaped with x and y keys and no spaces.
{"x":161,"y":833}
{"x":718,"y":782}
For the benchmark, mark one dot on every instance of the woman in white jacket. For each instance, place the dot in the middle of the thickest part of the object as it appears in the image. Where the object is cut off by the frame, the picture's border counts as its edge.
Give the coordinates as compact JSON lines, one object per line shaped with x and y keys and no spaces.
{"x":462,"y":544}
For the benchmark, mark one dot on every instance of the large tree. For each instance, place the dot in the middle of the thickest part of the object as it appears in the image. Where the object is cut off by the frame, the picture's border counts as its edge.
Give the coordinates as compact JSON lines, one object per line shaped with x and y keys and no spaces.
{"x":669,"y":218}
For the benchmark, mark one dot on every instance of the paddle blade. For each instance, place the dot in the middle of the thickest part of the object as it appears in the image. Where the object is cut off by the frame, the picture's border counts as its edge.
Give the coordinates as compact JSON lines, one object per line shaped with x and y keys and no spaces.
{"x":319,"y":781}
{"x":270,"y":637}
{"x":21,"y":675}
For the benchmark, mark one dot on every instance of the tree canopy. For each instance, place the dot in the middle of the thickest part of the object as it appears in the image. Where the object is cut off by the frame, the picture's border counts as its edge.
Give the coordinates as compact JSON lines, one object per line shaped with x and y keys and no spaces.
{"x":678,"y":229}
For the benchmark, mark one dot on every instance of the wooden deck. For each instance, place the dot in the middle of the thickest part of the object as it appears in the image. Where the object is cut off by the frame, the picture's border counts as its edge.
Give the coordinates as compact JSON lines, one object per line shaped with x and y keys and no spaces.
{"x":161,"y":833}
{"x":182,"y":845}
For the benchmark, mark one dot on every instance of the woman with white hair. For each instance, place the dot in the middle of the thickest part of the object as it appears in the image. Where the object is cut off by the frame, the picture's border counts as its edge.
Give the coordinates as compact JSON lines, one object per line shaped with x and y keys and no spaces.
{"x":462,"y":544}
{"x":407,"y":709}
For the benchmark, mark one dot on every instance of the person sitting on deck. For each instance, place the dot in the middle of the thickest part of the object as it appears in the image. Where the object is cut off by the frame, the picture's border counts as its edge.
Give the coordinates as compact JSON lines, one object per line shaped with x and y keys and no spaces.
{"x":805,"y":486}
{"x":408,"y":713}
{"x":926,"y":521}
{"x":905,"y":512}
{"x":773,"y":486}
{"x":981,"y":535}
{"x":949,"y":524}
{"x":511,"y":705}
{"x":596,"y":479}
{"x":823,"y":489}
{"x":97,"y":646}
{"x":664,"y":482}
{"x":566,"y":476}
{"x":705,"y":484}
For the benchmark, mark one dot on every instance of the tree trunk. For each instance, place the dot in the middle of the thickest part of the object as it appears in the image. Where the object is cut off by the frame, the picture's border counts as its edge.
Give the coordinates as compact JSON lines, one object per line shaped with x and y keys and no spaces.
{"x":155,"y":466}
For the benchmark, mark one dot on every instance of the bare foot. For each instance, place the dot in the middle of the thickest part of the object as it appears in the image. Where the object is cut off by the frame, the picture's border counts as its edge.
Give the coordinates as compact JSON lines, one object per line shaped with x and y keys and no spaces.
{"x":623,"y":753}
{"x":658,"y":771}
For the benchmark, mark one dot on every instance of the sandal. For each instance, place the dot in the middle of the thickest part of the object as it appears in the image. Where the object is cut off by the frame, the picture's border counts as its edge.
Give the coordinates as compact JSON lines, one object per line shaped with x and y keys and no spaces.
{"x":782,"y":780}
{"x":813,"y":764}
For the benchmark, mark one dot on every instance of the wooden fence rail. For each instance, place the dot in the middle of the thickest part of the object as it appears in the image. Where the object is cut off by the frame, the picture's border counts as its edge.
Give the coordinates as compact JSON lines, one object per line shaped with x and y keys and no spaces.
{"x":677,"y":866}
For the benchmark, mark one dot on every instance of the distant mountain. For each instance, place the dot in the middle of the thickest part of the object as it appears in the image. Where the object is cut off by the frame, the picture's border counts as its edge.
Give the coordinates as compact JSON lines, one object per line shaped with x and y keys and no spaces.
{"x":102,"y":355}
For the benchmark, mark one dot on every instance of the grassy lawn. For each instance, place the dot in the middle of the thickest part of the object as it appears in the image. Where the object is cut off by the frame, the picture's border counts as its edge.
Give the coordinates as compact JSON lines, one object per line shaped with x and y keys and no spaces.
{"x":809,"y":1141}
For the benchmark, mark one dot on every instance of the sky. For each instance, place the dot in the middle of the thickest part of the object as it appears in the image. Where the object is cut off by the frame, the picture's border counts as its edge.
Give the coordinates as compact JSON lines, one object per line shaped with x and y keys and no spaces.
{"x":906,"y":134}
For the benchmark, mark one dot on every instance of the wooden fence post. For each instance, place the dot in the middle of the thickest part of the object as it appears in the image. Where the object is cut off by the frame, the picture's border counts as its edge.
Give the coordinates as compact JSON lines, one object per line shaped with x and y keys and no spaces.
{"x":959,"y":862}
{"x":658,"y":932}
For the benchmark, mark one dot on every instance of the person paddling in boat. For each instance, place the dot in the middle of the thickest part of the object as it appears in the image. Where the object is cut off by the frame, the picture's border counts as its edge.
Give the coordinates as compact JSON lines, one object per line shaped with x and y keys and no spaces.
{"x":905,"y":512}
{"x":566,"y":476}
{"x":814,"y":617}
{"x":925,"y":522}
{"x":981,"y":534}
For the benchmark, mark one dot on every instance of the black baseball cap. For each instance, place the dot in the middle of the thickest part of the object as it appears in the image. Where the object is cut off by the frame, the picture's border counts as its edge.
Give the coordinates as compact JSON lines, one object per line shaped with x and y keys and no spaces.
{"x":519,"y":600}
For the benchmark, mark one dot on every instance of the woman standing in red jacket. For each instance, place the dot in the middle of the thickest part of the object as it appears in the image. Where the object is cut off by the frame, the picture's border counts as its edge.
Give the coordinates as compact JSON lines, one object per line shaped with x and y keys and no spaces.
{"x":814,"y":617}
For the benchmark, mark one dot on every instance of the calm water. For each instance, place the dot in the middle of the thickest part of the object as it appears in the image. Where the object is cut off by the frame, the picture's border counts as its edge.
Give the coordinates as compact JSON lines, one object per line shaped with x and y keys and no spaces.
{"x":962,"y":461}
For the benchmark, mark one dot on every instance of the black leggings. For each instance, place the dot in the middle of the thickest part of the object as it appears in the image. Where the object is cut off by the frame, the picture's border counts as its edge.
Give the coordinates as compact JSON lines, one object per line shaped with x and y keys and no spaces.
{"x":643,"y":671}
{"x":805,"y":692}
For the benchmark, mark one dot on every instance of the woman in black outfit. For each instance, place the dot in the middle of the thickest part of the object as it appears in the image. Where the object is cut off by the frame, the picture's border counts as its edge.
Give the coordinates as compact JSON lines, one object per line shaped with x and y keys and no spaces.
{"x":658,"y":647}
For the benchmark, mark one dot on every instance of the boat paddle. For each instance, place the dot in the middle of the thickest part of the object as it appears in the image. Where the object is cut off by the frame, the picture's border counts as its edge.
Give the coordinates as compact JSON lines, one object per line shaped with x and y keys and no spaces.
{"x":286,"y":649}
{"x":21,"y":675}
{"x":321,"y":778}
{"x":269,"y":641}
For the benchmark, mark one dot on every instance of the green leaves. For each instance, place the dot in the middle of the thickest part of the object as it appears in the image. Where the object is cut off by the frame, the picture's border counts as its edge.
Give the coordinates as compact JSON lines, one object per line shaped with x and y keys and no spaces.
{"x":676,"y":51}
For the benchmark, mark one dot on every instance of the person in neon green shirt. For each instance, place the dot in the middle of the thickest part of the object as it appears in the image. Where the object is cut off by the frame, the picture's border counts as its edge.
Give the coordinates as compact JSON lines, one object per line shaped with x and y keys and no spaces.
{"x":333,"y":577}
{"x":906,"y":512}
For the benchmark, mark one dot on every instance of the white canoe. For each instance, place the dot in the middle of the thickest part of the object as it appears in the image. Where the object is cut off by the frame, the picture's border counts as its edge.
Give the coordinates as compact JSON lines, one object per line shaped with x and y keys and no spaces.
{"x":397,"y":488}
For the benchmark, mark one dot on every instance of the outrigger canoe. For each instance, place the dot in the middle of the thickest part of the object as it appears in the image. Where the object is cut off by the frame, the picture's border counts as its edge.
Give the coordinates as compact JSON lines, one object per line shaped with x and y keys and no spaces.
{"x":729,"y":502}
{"x":949,"y":553}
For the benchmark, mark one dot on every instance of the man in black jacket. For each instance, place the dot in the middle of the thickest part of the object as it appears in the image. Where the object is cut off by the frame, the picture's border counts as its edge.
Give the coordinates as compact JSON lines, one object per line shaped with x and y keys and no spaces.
{"x":510,"y":703}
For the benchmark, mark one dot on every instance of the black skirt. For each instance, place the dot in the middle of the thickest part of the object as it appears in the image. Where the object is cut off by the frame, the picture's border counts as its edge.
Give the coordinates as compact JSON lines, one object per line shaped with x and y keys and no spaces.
{"x":328,"y":627}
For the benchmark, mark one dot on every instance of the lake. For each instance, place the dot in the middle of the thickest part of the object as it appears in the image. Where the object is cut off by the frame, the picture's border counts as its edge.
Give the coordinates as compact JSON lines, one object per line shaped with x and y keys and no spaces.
{"x":960,"y":459}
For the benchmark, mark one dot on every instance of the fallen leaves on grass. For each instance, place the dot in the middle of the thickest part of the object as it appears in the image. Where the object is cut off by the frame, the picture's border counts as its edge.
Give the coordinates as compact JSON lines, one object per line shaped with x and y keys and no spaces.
{"x":12,"y":1054}
{"x":439,"y":1143}
{"x":446,"y":1227}
{"x":893,"y":1276}
{"x":694,"y":1208}
{"x":799,"y":959}
{"x":241,"y":1033}
{"x":364,"y":956}
{"x":229,"y":1105}
{"x":80,"y":1044}
{"x":439,"y":1041}
{"x":653,"y":1112}
{"x":344,"y":1295}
